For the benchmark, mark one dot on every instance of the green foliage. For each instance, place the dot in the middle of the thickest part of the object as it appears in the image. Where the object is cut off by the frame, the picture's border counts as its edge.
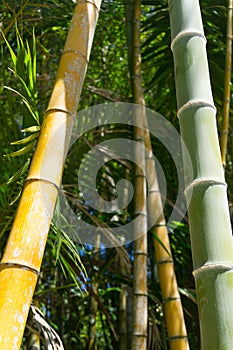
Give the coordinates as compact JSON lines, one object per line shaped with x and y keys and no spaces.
{"x":65,"y":289}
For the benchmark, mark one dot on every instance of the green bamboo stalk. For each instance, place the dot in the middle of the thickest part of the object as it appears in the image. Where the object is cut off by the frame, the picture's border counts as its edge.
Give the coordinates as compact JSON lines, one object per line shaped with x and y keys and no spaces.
{"x":140,"y":312}
{"x":210,"y":227}
{"x":23,"y":255}
{"x":227,"y":85}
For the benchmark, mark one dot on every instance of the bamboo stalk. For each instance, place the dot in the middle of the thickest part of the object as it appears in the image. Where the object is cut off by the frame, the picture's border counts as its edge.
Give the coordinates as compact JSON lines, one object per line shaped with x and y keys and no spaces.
{"x":93,"y":305}
{"x":173,"y":311}
{"x":210,"y":226}
{"x":23,"y":255}
{"x":227,"y":85}
{"x":140,"y":312}
{"x":123,"y":320}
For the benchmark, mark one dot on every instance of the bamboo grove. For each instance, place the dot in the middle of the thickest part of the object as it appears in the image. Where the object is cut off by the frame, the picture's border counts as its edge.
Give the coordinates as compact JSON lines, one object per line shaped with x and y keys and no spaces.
{"x":170,"y":287}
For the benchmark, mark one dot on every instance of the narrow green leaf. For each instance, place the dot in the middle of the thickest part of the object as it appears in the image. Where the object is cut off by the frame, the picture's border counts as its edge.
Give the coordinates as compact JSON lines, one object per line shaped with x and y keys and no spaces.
{"x":18,"y":174}
{"x":25,"y":101}
{"x":16,"y":198}
{"x":160,"y":242}
{"x":26,"y":139}
{"x":34,"y":55}
{"x":22,"y":151}
{"x":13,"y":56}
{"x":33,"y":128}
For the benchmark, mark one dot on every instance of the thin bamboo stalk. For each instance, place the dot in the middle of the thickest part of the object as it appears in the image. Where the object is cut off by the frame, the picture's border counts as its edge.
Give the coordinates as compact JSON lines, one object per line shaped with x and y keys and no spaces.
{"x":140,"y":312}
{"x":227,"y":85}
{"x":123,"y":320}
{"x":23,"y":255}
{"x":173,"y":311}
{"x":176,"y":329}
{"x":93,"y":305}
{"x":210,"y":227}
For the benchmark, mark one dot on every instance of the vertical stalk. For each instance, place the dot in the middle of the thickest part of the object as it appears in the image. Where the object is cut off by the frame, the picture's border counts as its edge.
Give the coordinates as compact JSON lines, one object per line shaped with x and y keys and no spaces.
{"x":123,"y":320}
{"x":20,"y":265}
{"x":210,"y":227}
{"x":93,"y":305}
{"x":227,"y":85}
{"x":140,"y":312}
{"x":173,"y":312}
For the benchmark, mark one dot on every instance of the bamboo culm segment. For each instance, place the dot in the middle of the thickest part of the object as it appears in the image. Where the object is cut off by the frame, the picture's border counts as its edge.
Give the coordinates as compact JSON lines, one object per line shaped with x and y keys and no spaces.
{"x":140,"y":307}
{"x":176,"y":329}
{"x":227,"y":85}
{"x":23,"y":255}
{"x":210,"y":228}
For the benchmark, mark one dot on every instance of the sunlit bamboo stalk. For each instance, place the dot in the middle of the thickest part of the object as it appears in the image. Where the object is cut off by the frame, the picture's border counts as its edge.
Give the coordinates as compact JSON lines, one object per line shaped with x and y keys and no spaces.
{"x":210,"y":227}
{"x":20,"y":265}
{"x":176,"y":329}
{"x":227,"y":85}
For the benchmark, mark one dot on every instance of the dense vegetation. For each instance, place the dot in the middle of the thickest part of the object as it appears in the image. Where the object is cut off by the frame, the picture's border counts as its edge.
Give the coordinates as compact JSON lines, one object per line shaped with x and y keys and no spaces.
{"x":80,"y":287}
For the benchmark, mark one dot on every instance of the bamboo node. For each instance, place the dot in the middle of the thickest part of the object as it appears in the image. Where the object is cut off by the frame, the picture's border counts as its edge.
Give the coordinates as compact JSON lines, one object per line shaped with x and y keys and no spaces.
{"x":204,"y":181}
{"x":207,"y":267}
{"x":140,"y":253}
{"x":12,"y":264}
{"x":139,"y":335}
{"x":79,"y":2}
{"x":140,"y":294}
{"x":59,"y":110}
{"x":39,"y":179}
{"x":162,"y":262}
{"x":177,"y":337}
{"x":76,"y":52}
{"x":197,"y":104}
{"x":185,"y":34}
{"x":169,"y":299}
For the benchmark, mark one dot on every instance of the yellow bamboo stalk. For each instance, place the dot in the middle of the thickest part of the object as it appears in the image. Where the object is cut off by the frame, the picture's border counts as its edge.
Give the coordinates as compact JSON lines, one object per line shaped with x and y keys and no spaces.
{"x":173,"y":312}
{"x":140,"y":312}
{"x":227,"y":85}
{"x":23,"y":255}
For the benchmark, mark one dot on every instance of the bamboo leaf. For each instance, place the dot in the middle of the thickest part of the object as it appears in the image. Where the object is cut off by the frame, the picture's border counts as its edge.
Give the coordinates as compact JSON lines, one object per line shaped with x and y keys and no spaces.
{"x":34,"y":128}
{"x":160,"y":242}
{"x":28,"y":92}
{"x":13,"y":56}
{"x":34,"y":55}
{"x":188,"y":294}
{"x":25,"y":101}
{"x":22,"y":151}
{"x":26,"y":139}
{"x":18,"y":174}
{"x":16,"y":198}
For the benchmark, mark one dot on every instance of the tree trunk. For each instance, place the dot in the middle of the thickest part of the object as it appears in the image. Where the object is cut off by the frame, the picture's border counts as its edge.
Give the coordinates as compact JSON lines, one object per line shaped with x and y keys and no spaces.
{"x":210,"y":226}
